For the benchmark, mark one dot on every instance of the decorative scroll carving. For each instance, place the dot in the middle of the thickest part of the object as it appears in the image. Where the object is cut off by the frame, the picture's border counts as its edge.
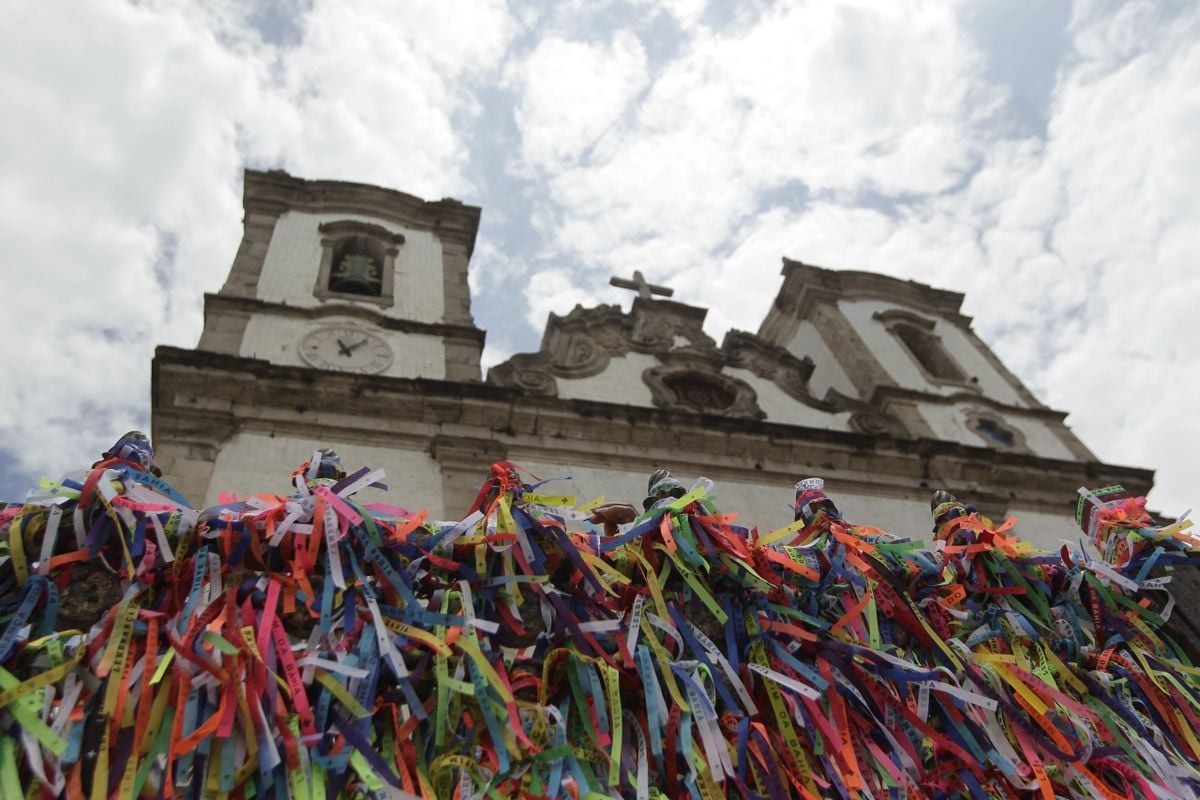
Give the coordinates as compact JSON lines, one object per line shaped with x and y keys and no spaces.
{"x":692,"y":376}
{"x":875,"y":423}
{"x":688,"y":387}
{"x":526,"y":372}
{"x":866,"y":418}
{"x":581,"y":343}
{"x":576,"y":355}
{"x":774,"y":363}
{"x":657,"y":327}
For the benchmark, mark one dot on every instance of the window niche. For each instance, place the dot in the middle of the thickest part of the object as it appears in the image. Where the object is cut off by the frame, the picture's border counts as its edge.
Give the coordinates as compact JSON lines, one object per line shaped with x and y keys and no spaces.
{"x":699,"y":388}
{"x":925,"y":347}
{"x":358,"y":262}
{"x":994,"y":432}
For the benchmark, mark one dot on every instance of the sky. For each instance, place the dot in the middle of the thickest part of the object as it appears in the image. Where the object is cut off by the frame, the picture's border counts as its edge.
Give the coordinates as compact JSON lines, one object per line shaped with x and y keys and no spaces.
{"x":1041,"y":156}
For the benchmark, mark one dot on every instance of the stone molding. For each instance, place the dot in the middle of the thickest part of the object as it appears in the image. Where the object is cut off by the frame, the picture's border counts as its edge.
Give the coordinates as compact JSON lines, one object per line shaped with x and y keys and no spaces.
{"x":195,"y":391}
{"x":218,"y":306}
{"x":341,"y":228}
{"x":894,"y":316}
{"x":772,"y":362}
{"x":791,"y":374}
{"x":805,"y":286}
{"x":273,"y":192}
{"x":581,"y":344}
{"x":885,"y":395}
{"x":683,"y":386}
{"x":856,"y":359}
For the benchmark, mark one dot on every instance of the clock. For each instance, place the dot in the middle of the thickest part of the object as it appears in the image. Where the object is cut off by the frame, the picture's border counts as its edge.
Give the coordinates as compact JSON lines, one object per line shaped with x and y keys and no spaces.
{"x":347,"y":350}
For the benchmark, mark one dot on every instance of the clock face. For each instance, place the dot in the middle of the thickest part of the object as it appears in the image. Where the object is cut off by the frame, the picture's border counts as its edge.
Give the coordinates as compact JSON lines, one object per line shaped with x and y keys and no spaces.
{"x":347,"y":350}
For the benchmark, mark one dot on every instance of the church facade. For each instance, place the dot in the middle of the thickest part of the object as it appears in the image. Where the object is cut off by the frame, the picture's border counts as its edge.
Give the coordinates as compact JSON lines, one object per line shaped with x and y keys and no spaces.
{"x":345,"y":322}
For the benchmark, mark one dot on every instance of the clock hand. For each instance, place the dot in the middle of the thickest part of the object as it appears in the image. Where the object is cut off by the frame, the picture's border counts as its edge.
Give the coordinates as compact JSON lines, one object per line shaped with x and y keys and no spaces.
{"x":354,"y":347}
{"x":343,"y":348}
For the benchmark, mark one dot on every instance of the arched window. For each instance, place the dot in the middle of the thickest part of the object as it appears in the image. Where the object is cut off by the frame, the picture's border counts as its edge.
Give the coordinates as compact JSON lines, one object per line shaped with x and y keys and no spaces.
{"x":996,"y":433}
{"x":993,"y":431}
{"x":928,"y":351}
{"x":358,"y":262}
{"x":924,"y":346}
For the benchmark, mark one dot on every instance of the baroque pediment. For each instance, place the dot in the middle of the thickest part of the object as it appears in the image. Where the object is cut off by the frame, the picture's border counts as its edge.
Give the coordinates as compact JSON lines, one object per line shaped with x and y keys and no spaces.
{"x":691,"y":373}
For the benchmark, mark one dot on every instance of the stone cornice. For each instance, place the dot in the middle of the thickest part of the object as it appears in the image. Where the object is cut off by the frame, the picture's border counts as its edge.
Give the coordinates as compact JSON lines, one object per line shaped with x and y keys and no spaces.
{"x":885,"y":393}
{"x":273,"y":192}
{"x":350,"y":227}
{"x":235,"y":393}
{"x":218,"y":303}
{"x":805,"y":286}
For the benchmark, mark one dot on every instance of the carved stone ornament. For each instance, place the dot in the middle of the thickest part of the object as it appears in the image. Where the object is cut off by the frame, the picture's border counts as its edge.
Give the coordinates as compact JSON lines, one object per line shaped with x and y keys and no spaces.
{"x":688,"y":387}
{"x":874,"y":423}
{"x":774,"y":363}
{"x":692,"y":375}
{"x":581,"y":343}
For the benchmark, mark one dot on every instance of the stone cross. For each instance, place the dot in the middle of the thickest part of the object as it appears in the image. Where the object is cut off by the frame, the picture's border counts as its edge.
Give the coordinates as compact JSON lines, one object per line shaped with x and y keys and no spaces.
{"x":639,"y":285}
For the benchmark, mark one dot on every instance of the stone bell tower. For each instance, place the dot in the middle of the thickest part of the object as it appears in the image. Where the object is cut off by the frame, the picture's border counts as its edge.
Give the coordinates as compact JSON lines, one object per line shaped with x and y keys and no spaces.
{"x":321,"y":261}
{"x":338,"y":284}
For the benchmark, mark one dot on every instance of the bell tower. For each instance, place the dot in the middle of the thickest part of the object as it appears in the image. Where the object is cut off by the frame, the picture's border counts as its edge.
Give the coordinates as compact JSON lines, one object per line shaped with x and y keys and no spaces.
{"x":343,"y":304}
{"x":347,"y":277}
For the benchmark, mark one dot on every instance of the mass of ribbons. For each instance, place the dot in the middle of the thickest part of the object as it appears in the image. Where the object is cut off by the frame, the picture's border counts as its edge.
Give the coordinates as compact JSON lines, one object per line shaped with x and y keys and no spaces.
{"x":314,"y":645}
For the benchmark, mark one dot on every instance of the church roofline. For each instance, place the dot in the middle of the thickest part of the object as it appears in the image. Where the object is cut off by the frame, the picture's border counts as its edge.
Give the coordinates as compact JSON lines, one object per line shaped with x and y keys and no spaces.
{"x":276,"y":191}
{"x":805,"y":283}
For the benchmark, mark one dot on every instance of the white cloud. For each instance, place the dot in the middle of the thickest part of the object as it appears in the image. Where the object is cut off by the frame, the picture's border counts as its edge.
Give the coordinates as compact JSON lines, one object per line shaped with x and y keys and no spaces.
{"x":1123,"y":148}
{"x":846,"y":99}
{"x":572,"y":92}
{"x":375,"y":88}
{"x":130,"y":127}
{"x":554,"y":291}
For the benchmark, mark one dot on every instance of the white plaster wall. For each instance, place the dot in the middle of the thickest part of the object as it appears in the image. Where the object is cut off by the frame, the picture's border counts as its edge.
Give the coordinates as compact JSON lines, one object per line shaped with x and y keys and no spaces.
{"x":1041,"y":439}
{"x":587,"y":483}
{"x":621,"y":382}
{"x":827,"y":373}
{"x":1045,"y":531}
{"x":972,"y":359}
{"x":909,"y":519}
{"x":277,"y":340}
{"x":785,"y":410}
{"x":892,"y":354}
{"x":946,"y":424}
{"x":767,"y":507}
{"x":293,"y":262}
{"x":251,"y":463}
{"x":950,"y":423}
